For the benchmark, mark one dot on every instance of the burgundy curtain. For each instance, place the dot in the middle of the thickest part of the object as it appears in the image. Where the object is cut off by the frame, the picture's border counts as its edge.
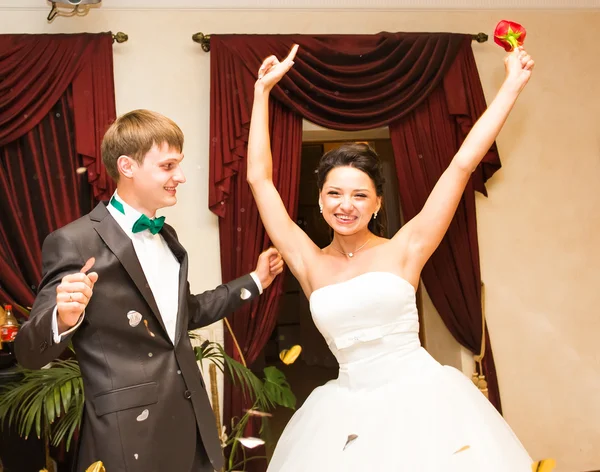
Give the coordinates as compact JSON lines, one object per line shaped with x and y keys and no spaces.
{"x":245,"y":233}
{"x":424,"y":143}
{"x":56,"y":101}
{"x":344,"y":82}
{"x":242,"y":235}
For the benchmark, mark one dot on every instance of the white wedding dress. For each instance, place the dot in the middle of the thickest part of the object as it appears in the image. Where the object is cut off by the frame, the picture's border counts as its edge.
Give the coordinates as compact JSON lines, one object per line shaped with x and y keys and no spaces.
{"x":392,"y":407}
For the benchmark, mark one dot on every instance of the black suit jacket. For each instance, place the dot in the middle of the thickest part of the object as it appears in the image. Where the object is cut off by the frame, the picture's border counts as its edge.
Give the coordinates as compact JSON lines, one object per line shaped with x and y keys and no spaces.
{"x":145,"y":399}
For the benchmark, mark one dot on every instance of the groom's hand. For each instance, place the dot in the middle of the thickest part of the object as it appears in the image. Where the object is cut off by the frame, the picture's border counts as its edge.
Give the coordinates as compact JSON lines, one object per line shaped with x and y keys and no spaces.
{"x":269,"y":266}
{"x":73,"y":295}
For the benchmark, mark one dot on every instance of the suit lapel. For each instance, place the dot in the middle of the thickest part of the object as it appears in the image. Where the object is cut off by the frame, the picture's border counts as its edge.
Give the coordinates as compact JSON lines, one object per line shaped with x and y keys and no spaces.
{"x":122,"y":247}
{"x":180,"y":253}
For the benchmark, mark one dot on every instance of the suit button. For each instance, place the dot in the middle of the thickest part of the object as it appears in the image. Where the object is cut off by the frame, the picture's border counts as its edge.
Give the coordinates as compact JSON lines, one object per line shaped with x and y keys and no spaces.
{"x":43,"y":346}
{"x":187,"y":394}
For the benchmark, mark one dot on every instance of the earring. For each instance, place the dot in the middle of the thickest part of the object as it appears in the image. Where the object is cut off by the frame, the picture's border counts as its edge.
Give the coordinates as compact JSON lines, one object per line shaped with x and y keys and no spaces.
{"x":321,"y":209}
{"x":375,"y":215}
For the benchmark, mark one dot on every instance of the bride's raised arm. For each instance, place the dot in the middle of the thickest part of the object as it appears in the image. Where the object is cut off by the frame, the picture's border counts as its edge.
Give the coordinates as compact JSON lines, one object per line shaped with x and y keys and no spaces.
{"x":422,"y":235}
{"x":294,"y":245}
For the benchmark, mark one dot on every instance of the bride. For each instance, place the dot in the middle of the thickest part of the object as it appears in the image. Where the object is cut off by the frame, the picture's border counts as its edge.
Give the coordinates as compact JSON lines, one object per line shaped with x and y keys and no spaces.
{"x":392,"y":407}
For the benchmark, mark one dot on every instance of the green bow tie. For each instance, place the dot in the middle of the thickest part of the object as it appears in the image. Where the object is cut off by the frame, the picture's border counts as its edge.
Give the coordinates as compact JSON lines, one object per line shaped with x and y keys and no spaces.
{"x":143,"y":222}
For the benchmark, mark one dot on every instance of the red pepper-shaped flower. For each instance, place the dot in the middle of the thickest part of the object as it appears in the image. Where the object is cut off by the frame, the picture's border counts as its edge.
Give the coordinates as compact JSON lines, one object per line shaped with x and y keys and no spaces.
{"x":509,"y":35}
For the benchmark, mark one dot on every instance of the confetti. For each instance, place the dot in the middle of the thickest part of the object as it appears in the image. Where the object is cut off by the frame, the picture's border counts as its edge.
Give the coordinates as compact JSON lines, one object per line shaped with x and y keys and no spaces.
{"x":134,"y":318}
{"x":245,"y":294}
{"x":351,"y":438}
{"x":464,"y":448}
{"x":143,"y":415}
{"x":81,"y":170}
{"x":96,"y":467}
{"x":545,"y":465}
{"x":223,"y":437}
{"x":288,"y":356}
{"x":251,"y":442}
{"x":148,"y":329}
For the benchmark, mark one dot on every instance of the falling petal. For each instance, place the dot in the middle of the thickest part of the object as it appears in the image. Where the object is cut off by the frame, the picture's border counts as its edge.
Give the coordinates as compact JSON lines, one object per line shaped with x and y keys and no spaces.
{"x":148,"y":329}
{"x":96,"y":467}
{"x":464,"y":448}
{"x":258,"y":413}
{"x":351,"y":438}
{"x":223,"y":437}
{"x":251,"y":442}
{"x":223,"y":441}
{"x":288,"y":356}
{"x":545,"y":465}
{"x":134,"y":318}
{"x":81,"y":170}
{"x":136,"y":456}
{"x":143,"y":415}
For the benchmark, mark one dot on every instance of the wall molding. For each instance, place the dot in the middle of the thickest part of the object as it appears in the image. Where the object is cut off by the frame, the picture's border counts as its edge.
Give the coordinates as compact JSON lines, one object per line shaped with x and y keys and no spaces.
{"x":373,"y":5}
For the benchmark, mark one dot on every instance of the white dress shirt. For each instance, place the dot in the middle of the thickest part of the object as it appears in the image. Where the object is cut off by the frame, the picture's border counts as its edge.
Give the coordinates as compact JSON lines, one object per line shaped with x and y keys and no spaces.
{"x":160,"y":267}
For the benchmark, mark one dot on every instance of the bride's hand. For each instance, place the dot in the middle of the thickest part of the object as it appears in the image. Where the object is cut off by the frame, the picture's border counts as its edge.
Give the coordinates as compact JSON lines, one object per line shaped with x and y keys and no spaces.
{"x":271,"y":71}
{"x":518,"y":66}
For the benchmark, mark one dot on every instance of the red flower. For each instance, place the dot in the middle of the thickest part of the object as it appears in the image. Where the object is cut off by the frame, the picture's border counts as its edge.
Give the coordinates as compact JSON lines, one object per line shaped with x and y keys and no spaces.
{"x":509,"y":35}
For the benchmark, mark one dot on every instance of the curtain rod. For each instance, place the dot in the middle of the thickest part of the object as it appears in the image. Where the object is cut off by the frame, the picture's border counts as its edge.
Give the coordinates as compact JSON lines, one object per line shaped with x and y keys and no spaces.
{"x":119,"y":37}
{"x":204,"y":39}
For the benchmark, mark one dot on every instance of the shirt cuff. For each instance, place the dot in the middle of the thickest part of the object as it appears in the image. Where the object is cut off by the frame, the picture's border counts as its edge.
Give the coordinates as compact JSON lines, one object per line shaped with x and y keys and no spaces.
{"x":57,"y":338}
{"x":257,"y":282}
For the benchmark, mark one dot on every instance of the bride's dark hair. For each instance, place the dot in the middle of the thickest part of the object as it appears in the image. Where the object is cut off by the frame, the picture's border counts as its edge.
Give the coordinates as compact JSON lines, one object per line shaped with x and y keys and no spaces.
{"x":362,"y":157}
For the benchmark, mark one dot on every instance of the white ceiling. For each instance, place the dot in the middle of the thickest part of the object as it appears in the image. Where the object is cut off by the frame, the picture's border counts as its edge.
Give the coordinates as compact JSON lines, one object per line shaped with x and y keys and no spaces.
{"x":326,"y":4}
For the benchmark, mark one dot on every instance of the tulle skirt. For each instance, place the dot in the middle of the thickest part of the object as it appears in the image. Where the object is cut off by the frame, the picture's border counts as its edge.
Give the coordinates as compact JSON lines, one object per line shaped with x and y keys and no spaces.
{"x":408,"y":414}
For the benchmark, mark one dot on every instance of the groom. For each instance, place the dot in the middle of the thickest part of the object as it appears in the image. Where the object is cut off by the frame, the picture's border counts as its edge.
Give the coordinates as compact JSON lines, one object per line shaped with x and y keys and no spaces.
{"x":146,"y":407}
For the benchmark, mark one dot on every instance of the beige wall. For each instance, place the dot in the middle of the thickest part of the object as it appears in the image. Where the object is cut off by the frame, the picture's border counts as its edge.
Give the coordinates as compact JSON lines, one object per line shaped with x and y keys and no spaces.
{"x":538,"y":230}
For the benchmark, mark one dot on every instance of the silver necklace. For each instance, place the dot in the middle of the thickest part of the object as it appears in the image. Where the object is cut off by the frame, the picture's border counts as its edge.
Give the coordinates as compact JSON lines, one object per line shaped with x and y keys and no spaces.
{"x":351,"y":254}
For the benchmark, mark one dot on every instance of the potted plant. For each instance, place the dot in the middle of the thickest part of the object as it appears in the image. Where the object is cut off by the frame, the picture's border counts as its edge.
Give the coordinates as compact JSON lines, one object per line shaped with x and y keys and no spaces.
{"x":49,"y":402}
{"x":264,"y":394}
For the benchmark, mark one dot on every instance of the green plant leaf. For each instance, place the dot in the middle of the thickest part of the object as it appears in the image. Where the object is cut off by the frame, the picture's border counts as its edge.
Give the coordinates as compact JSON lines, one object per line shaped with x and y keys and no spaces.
{"x":278,"y":389}
{"x":50,"y":413}
{"x":77,"y":387}
{"x":65,"y":428}
{"x":65,"y":393}
{"x":43,"y":397}
{"x":56,"y":394}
